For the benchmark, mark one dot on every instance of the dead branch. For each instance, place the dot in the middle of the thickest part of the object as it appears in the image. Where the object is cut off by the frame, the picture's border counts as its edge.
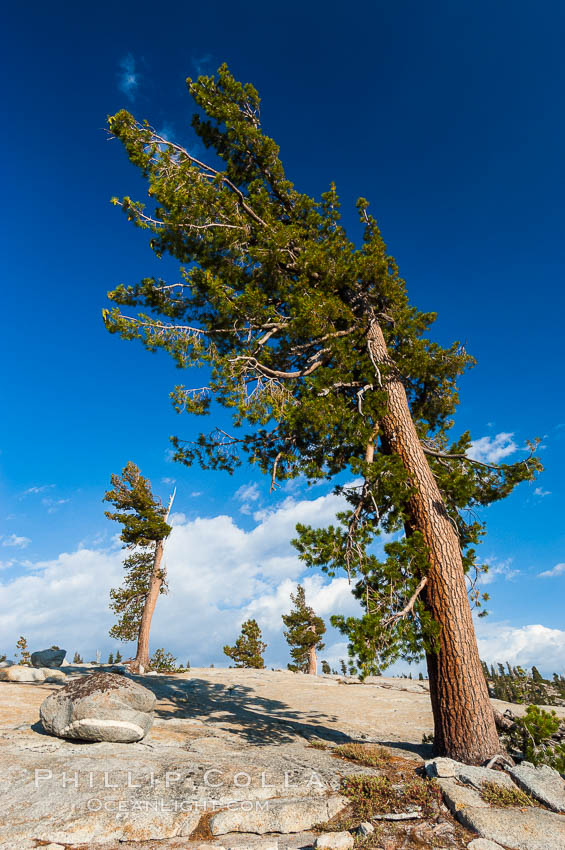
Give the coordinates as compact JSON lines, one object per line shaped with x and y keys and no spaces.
{"x":409,"y":607}
{"x":277,"y":373}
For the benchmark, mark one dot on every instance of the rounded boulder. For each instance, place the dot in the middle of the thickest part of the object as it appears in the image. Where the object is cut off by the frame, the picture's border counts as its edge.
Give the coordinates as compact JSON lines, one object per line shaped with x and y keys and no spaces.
{"x":99,"y":707}
{"x":21,"y":673}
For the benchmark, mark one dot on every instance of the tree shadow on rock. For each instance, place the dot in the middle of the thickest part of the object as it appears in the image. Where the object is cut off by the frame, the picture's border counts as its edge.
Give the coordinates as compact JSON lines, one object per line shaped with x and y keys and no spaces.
{"x":240,"y":710}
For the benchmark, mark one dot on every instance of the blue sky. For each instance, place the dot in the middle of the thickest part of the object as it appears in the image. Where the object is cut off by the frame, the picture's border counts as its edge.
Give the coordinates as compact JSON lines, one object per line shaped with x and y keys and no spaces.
{"x":448,"y":117}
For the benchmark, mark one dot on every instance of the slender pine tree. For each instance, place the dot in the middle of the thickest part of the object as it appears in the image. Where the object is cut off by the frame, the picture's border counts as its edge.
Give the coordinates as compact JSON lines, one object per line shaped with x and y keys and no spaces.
{"x":23,"y":651}
{"x":144,"y":530}
{"x":304,"y":633}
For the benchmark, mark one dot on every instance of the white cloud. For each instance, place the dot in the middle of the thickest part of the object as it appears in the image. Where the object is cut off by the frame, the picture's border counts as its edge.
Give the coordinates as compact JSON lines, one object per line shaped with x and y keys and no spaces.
{"x":557,"y":570}
{"x":53,"y":504}
{"x":203,"y":64}
{"x":218,"y":575}
{"x":169,"y":481}
{"x":498,"y":569}
{"x":525,"y":645}
{"x":128,"y":78}
{"x":324,"y":597}
{"x":247,"y":494}
{"x":35,"y":490}
{"x":17,"y":542}
{"x":540,"y":492}
{"x":492,"y":449}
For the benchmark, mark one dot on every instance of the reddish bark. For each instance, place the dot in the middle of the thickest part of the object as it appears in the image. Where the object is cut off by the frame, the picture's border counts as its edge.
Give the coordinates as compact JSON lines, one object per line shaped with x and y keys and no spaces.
{"x":463,"y":717}
{"x":312,"y":661}
{"x":141,"y":661}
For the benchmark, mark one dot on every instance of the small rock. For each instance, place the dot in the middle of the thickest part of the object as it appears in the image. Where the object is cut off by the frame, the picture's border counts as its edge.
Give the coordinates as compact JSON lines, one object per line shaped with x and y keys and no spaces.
{"x":99,"y":707}
{"x":210,"y":846}
{"x":441,"y":767}
{"x":522,"y":829}
{"x":249,"y":843}
{"x":48,"y":657}
{"x":483,"y":844}
{"x":459,"y":797}
{"x":21,"y":673}
{"x":53,"y":675}
{"x":466,"y":773}
{"x":334,"y":841}
{"x":399,"y":816}
{"x":542,"y":782}
{"x":443,"y":828}
{"x":366,"y":828}
{"x":280,"y":815}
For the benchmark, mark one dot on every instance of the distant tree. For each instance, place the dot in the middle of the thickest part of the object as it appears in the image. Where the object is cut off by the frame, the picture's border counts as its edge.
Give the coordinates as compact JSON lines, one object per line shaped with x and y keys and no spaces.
{"x":536,"y":675}
{"x":421,"y":677}
{"x":304,"y":633}
{"x":343,"y":667}
{"x":163,"y":662}
{"x":188,"y":665}
{"x":23,"y":651}
{"x":77,"y":658}
{"x":111,"y":658}
{"x":118,"y":657}
{"x":249,"y":647}
{"x":326,"y":669}
{"x":144,"y":530}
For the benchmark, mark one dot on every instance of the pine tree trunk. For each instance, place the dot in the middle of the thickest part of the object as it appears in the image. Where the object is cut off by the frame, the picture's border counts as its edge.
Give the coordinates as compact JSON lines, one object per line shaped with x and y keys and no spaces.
{"x":141,"y":661}
{"x":464,"y":727}
{"x":312,"y":662}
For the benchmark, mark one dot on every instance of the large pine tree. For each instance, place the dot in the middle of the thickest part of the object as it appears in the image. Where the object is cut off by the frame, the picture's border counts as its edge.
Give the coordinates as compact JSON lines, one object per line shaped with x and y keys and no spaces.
{"x":144,"y":530}
{"x":311,"y":342}
{"x":304,"y":633}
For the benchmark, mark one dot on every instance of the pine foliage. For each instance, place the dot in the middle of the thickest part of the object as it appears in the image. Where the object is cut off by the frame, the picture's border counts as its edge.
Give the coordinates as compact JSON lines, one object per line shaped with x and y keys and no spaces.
{"x":249,"y":647}
{"x":23,"y":651}
{"x":276,"y":302}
